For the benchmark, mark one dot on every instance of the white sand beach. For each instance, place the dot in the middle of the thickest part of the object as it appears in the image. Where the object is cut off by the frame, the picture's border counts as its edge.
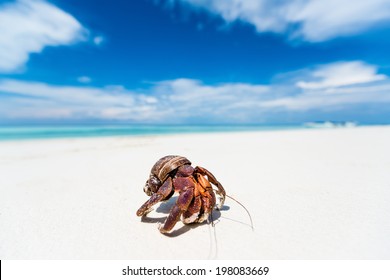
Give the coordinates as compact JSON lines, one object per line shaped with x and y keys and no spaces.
{"x":312,"y":194}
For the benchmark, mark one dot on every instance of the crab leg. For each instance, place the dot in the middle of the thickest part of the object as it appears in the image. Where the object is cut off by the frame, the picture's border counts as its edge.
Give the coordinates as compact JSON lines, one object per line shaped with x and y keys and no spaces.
{"x":221,"y":191}
{"x":182,"y":203}
{"x":194,"y":211}
{"x":163,"y":192}
{"x":207,"y":195}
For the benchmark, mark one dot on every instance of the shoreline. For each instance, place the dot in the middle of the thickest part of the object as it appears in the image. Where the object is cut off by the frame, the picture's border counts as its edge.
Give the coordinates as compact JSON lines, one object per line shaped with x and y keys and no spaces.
{"x":312,"y":194}
{"x":48,"y":132}
{"x":71,"y":132}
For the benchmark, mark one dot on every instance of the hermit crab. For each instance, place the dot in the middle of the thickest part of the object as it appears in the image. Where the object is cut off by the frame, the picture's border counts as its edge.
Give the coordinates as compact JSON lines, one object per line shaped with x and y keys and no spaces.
{"x":197,"y":197}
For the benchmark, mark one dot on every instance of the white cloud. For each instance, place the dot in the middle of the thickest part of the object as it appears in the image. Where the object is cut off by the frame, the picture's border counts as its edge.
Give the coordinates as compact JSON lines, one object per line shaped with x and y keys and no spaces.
{"x":310,"y":20}
{"x":192,"y":101}
{"x":324,"y":88}
{"x":173,"y":101}
{"x":84,"y":79}
{"x":28,"y":26}
{"x":340,"y":99}
{"x":334,"y":85}
{"x":325,"y":19}
{"x":35,"y":100}
{"x":98,"y":40}
{"x":341,"y":74}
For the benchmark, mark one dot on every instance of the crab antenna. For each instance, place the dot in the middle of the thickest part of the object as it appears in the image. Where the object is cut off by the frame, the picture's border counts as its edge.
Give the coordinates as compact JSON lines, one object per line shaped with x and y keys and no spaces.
{"x":250,"y":217}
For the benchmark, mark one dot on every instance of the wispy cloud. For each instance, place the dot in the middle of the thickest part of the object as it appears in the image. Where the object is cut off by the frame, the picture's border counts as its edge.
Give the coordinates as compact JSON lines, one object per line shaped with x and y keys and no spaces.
{"x":84,"y":79}
{"x":335,"y":86}
{"x":98,"y":40}
{"x":310,"y":20}
{"x":40,"y":100}
{"x":341,"y":74}
{"x":338,"y":99}
{"x":175,"y":101}
{"x":190,"y":101}
{"x":28,"y":26}
{"x":324,"y":88}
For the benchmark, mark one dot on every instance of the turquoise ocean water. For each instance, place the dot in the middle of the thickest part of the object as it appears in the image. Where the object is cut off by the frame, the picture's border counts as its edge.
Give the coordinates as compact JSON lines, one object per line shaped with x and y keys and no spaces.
{"x":45,"y":132}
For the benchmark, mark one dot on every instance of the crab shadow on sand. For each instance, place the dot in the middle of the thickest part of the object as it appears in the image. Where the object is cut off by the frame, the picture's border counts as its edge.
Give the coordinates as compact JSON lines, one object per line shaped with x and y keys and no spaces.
{"x":166,"y":206}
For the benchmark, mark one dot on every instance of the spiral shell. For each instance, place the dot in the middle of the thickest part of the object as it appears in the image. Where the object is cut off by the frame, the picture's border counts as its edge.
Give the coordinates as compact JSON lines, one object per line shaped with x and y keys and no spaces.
{"x":167,"y":164}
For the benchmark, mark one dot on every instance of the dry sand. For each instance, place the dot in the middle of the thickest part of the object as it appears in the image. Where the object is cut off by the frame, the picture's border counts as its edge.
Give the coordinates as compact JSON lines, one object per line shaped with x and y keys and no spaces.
{"x":312,"y":194}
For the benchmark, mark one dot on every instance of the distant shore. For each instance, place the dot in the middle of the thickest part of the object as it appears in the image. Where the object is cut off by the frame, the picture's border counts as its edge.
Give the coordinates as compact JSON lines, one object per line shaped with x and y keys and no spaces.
{"x":30,"y":132}
{"x":312,"y":194}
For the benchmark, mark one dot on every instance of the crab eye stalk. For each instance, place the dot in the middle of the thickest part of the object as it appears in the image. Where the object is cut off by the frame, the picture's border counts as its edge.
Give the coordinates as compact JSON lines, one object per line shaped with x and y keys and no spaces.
{"x":152,"y":185}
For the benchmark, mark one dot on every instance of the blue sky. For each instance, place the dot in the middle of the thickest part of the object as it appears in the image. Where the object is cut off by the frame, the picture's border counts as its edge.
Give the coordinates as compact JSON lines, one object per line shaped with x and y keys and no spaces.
{"x":194,"y":61}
